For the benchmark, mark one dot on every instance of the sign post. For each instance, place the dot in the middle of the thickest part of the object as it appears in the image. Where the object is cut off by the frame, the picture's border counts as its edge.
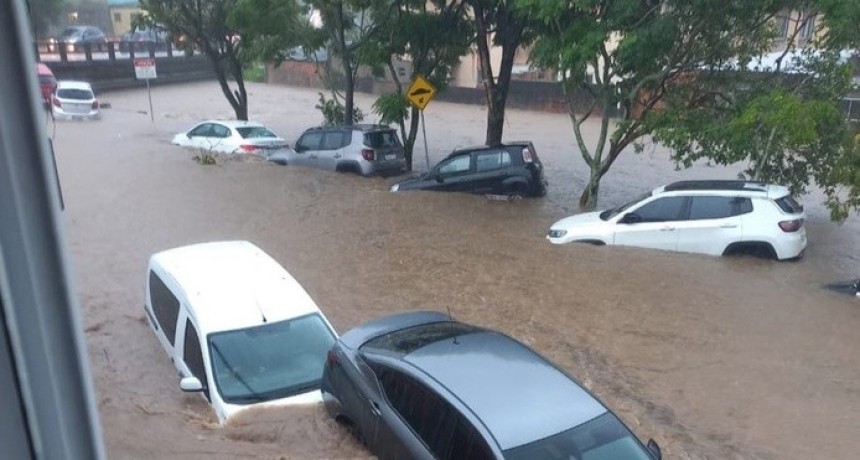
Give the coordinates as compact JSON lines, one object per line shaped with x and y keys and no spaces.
{"x":420,"y":93}
{"x":144,"y":69}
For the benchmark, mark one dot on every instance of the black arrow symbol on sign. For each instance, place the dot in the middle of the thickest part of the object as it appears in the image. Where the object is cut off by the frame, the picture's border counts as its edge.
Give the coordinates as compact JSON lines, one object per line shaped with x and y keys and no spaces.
{"x":420,"y":92}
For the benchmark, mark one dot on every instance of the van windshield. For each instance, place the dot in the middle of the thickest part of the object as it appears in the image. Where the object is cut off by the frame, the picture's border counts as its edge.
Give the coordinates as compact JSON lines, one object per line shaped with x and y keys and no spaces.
{"x":272,"y":361}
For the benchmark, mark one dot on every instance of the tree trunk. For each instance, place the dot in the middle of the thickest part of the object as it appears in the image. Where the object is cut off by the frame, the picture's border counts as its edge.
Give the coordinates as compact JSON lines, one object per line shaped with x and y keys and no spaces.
{"x":588,"y":199}
{"x":348,"y":100}
{"x":499,"y":96}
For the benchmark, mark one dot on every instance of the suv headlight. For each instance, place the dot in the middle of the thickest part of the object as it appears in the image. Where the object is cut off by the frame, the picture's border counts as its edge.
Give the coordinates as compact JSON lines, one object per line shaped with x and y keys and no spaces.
{"x":555,"y":233}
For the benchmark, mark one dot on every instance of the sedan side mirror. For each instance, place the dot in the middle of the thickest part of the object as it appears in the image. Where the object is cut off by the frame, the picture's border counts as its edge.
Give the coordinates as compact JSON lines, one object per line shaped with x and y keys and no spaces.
{"x":190,"y":384}
{"x":188,"y":135}
{"x":630,"y":218}
{"x":300,"y":148}
{"x":654,"y":448}
{"x":437,"y":176}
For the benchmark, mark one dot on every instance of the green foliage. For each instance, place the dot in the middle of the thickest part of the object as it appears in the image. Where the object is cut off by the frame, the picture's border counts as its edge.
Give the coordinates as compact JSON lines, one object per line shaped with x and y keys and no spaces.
{"x":270,"y":28}
{"x":255,"y":71}
{"x":392,"y":108}
{"x":205,"y":159}
{"x":334,"y":112}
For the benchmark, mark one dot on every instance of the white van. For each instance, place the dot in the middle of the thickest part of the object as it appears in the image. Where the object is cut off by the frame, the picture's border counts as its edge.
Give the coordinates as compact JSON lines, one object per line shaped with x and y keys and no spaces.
{"x":239,"y":329}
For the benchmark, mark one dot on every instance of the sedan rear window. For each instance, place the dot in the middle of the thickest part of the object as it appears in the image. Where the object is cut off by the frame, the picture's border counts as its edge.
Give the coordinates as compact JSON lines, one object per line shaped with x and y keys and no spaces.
{"x":407,"y":340}
{"x":381,"y":139}
{"x":789,"y":205}
{"x":77,"y":94}
{"x":255,"y":132}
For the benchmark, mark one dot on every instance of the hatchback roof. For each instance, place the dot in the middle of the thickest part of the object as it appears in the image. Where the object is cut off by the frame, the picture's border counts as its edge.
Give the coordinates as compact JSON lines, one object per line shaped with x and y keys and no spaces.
{"x":233,"y":285}
{"x":518,"y":395}
{"x":71,"y":84}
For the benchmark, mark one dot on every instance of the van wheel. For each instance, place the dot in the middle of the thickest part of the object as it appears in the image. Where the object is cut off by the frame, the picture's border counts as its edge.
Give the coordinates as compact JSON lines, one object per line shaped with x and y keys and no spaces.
{"x":517,"y":192}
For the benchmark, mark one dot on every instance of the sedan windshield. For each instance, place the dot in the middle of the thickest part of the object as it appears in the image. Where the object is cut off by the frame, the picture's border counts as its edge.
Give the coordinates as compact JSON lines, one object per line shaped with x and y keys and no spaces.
{"x":271,"y":361}
{"x":255,"y":132}
{"x":603,"y":438}
{"x":610,"y":213}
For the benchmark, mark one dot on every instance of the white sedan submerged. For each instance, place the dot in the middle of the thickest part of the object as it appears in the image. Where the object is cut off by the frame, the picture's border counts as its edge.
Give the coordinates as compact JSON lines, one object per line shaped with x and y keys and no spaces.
{"x":231,"y":137}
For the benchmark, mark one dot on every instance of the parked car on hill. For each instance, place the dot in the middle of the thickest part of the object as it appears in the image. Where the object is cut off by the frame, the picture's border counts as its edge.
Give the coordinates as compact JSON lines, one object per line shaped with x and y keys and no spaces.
{"x":238,"y":328}
{"x":47,"y":81}
{"x":76,"y":38}
{"x":423,"y":386}
{"x":512,"y":169}
{"x":74,"y":100}
{"x":361,"y":149}
{"x":232,"y":137}
{"x":715,"y":217}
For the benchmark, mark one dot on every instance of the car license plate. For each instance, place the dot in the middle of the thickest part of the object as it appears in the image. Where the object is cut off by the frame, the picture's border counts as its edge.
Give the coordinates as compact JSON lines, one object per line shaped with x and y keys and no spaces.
{"x":390,"y":156}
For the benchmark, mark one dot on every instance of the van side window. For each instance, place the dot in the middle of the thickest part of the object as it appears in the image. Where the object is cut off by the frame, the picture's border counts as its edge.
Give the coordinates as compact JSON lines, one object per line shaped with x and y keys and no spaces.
{"x":192,"y":355}
{"x":165,"y":306}
{"x":444,"y":431}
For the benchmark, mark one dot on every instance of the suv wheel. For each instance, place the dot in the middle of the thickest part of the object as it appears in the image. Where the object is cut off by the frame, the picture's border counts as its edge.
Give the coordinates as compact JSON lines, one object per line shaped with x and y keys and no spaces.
{"x":751,"y":248}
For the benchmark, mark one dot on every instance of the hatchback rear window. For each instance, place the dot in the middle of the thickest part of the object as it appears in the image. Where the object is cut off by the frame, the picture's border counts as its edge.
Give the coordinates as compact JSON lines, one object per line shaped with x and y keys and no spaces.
{"x":254,"y":132}
{"x":789,"y":205}
{"x":381,"y":139}
{"x":78,"y":94}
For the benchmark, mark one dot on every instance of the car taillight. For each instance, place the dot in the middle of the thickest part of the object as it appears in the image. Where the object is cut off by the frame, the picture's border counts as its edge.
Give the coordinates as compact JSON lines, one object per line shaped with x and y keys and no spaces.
{"x":95,"y":104}
{"x":248,"y":148}
{"x":527,"y":156}
{"x":368,"y":154}
{"x":55,"y":101}
{"x":790,"y":226}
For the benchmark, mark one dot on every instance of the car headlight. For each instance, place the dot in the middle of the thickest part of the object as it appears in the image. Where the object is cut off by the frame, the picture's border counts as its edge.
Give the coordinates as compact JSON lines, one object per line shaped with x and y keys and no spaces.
{"x":395,"y":187}
{"x":555,"y":233}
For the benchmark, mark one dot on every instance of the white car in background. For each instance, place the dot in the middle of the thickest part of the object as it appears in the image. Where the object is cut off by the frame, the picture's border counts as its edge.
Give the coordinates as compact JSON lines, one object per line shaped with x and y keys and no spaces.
{"x":238,"y":328}
{"x":231,"y":137}
{"x":714,"y":217}
{"x":74,"y":100}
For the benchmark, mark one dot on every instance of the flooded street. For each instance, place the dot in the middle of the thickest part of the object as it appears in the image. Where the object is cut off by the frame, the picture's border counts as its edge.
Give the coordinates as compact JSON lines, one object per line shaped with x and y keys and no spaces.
{"x":715,"y":358}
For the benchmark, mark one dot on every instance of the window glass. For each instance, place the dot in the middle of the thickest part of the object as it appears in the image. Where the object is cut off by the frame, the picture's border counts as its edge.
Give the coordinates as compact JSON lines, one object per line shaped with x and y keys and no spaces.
{"x":441,"y":427}
{"x":310,"y":141}
{"x":253,"y":132}
{"x":489,"y":161}
{"x":192,"y":355}
{"x":76,"y":94}
{"x":165,"y":306}
{"x":662,"y":209}
{"x":204,"y":130}
{"x":407,"y":340}
{"x":220,"y":131}
{"x":271,"y":361}
{"x":789,"y":204}
{"x":603,"y":438}
{"x":457,"y":165}
{"x":711,"y":207}
{"x":332,"y":140}
{"x":381,"y":139}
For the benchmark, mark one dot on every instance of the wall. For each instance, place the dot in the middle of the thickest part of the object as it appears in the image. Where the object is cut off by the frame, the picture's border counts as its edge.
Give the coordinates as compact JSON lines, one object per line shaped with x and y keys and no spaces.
{"x":117,"y":74}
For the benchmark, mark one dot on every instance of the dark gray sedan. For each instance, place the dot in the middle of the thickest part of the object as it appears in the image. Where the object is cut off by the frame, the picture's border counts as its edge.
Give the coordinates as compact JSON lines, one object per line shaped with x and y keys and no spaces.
{"x":423,"y":386}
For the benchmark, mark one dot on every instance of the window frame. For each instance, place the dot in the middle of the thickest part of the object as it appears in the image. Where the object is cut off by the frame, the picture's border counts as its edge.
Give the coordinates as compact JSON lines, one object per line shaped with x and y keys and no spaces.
{"x":164,"y":326}
{"x":300,"y":145}
{"x":500,"y":153}
{"x":198,"y":369}
{"x":205,"y":128}
{"x":469,"y":170}
{"x":682,"y":210}
{"x":734,"y":202}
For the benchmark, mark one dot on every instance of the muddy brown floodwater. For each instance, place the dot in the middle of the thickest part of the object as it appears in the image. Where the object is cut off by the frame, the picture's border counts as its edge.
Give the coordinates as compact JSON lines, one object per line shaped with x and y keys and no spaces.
{"x":716,"y":358}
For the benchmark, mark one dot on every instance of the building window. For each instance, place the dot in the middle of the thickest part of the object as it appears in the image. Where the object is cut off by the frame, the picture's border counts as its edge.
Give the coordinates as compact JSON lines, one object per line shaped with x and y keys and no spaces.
{"x":808,"y":27}
{"x":783,"y":26}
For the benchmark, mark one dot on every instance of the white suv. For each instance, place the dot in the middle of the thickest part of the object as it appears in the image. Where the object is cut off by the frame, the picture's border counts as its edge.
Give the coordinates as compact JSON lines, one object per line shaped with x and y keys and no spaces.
{"x":715,"y":217}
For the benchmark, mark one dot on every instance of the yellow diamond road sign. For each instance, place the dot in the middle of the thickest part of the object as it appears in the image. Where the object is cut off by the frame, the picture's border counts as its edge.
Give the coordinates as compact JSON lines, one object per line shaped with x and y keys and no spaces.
{"x":420,"y":92}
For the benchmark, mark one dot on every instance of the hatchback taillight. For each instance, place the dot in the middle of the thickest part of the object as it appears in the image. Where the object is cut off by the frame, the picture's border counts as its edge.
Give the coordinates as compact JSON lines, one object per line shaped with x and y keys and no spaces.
{"x":527,"y":156}
{"x":95,"y":104}
{"x":55,"y":101}
{"x":248,"y":148}
{"x":368,"y":154}
{"x":790,"y":226}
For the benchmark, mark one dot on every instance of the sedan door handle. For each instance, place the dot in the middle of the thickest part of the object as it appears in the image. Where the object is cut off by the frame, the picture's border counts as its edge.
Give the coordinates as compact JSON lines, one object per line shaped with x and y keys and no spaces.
{"x":729,"y":226}
{"x":667,"y":229}
{"x":337,"y":155}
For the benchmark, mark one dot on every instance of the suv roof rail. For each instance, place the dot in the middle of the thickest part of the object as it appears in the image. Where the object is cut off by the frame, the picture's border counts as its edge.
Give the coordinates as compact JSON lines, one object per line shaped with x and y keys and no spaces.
{"x":360,"y":126}
{"x":753,"y":186}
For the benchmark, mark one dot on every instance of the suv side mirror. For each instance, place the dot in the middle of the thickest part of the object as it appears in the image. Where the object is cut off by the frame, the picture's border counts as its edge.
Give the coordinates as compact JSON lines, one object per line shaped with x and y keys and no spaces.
{"x":630,"y":218}
{"x":190,"y":384}
{"x":654,"y":448}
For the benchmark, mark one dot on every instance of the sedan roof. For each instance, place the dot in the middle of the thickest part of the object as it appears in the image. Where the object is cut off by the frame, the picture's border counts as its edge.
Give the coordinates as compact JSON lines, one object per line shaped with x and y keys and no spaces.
{"x":519,"y":395}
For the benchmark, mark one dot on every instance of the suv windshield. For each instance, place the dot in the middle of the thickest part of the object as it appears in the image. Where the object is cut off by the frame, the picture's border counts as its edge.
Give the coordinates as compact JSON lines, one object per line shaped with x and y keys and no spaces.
{"x":381,"y":139}
{"x":610,"y":213}
{"x":604,"y":437}
{"x":255,"y":132}
{"x":271,"y":361}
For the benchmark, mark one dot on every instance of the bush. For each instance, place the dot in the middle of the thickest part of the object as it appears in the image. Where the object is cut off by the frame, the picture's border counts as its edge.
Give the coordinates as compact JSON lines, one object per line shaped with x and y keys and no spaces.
{"x":333,"y":112}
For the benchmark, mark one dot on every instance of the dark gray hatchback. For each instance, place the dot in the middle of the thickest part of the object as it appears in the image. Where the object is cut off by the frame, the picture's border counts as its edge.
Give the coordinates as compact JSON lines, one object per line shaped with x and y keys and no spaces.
{"x":422,"y":386}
